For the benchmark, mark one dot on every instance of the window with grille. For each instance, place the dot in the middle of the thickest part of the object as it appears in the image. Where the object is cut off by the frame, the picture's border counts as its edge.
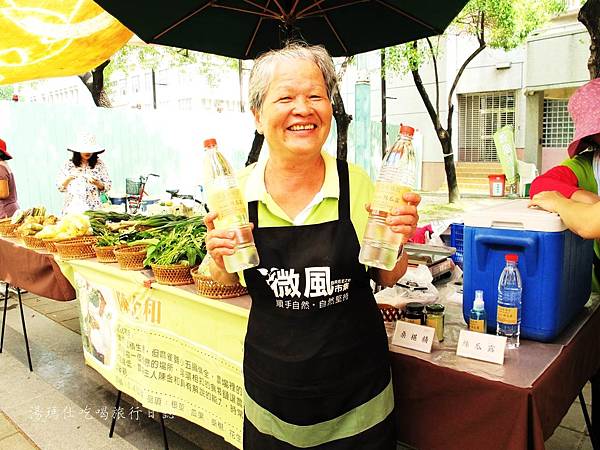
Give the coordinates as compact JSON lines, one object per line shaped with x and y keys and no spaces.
{"x":480,"y":115}
{"x":558,"y":128}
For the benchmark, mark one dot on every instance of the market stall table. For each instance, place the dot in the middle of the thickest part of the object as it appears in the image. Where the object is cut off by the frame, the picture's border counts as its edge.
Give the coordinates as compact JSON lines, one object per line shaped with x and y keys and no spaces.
{"x":179,"y":353}
{"x":35,"y":271}
{"x":448,"y":402}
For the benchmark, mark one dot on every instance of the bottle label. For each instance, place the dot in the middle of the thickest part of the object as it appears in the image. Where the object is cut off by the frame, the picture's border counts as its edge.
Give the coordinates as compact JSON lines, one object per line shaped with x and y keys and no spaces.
{"x":477,"y":325}
{"x":388,"y":196}
{"x":507,"y":315}
{"x":229,"y":204}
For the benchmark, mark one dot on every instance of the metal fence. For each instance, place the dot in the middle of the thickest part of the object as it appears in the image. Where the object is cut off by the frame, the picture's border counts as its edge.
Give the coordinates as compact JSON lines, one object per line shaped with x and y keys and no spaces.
{"x":480,"y":116}
{"x":558,"y":128}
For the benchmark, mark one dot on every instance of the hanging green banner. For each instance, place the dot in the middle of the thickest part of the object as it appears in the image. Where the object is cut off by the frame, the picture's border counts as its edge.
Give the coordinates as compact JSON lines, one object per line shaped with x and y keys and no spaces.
{"x":504,"y":139}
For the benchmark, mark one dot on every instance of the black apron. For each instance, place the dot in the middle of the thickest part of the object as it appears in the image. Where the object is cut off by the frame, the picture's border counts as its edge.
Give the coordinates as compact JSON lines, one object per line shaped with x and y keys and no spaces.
{"x":316,"y":346}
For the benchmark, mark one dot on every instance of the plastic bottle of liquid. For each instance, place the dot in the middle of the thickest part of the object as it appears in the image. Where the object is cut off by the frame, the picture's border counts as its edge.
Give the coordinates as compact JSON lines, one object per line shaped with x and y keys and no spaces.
{"x":380,"y":245}
{"x":477,"y":316}
{"x":509,"y":302}
{"x":224,"y":197}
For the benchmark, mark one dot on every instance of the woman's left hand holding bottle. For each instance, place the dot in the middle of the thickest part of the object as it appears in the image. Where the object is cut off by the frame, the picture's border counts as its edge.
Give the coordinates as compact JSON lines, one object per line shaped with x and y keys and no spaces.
{"x":219,"y":243}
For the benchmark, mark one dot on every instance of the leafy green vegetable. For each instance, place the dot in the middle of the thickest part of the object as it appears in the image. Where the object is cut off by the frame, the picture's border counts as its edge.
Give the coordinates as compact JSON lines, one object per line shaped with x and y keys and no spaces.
{"x":182,"y":244}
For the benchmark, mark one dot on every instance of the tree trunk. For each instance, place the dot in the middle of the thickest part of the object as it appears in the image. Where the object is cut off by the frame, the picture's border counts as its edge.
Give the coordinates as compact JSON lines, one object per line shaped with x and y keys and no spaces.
{"x":255,"y":150}
{"x":444,"y":136}
{"x":94,"y":81}
{"x":449,"y":168}
{"x":342,"y":121}
{"x":589,"y":15}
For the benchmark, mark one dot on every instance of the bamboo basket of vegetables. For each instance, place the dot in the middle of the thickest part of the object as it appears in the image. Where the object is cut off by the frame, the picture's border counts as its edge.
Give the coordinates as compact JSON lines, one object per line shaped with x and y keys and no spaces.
{"x":131,"y":258}
{"x":76,"y":248}
{"x":8,"y":229}
{"x":178,"y":251}
{"x":106,"y":245}
{"x":207,"y":287}
{"x":172,"y":274}
{"x":33,"y":242}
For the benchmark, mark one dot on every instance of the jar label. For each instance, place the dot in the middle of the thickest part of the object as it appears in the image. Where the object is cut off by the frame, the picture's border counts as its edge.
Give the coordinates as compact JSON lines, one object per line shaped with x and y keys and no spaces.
{"x":437,"y":322}
{"x":415,"y":321}
{"x":388,"y":196}
{"x":507,"y":315}
{"x":477,"y":325}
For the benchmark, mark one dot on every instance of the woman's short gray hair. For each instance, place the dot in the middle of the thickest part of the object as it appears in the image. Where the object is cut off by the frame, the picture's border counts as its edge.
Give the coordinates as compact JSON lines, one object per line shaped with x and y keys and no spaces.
{"x":264,"y":65}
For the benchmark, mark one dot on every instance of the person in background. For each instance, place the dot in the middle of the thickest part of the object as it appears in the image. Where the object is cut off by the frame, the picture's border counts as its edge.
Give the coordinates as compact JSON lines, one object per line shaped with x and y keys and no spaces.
{"x":8,"y":187}
{"x":316,"y":364}
{"x":84,"y":177}
{"x":577,"y":178}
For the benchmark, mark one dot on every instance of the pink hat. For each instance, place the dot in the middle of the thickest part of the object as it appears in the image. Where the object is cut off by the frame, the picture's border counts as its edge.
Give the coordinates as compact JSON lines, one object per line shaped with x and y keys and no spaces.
{"x":584,"y":106}
{"x":3,"y":149}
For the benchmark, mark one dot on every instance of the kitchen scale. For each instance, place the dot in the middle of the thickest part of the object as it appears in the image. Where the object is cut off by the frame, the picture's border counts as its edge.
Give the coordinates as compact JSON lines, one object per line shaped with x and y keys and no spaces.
{"x":435,"y":257}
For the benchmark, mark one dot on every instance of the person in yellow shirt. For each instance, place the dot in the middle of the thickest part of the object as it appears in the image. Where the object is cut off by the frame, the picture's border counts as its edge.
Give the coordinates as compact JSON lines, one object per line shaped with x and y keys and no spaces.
{"x":316,"y":365}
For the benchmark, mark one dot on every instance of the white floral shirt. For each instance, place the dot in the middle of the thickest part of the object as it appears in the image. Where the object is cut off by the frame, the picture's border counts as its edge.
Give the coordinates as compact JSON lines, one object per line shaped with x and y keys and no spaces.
{"x":80,"y":194}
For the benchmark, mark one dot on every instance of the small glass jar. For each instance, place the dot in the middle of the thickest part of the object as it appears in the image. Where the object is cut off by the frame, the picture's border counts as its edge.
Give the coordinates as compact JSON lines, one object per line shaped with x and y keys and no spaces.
{"x":414,"y":313}
{"x":435,"y":319}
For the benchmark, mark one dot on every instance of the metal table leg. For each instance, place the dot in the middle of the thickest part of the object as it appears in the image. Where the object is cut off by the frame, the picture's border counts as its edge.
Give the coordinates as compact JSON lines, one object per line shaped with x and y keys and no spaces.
{"x":116,"y":414}
{"x":595,"y":430}
{"x":4,"y":316}
{"x":24,"y":328}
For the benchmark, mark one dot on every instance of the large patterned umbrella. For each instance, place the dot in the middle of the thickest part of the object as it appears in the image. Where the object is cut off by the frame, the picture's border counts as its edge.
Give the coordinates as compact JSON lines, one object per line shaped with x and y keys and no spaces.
{"x":51,"y":38}
{"x":245,"y":28}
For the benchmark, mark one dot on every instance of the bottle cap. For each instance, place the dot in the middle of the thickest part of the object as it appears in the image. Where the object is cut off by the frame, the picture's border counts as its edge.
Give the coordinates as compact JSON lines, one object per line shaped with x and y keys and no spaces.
{"x":511,"y":257}
{"x":478,"y":304}
{"x":210,"y":142}
{"x":406,"y":130}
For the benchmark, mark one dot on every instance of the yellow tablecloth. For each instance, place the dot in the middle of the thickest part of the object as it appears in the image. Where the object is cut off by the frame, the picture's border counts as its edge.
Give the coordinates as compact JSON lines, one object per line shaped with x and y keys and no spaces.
{"x":171,"y":349}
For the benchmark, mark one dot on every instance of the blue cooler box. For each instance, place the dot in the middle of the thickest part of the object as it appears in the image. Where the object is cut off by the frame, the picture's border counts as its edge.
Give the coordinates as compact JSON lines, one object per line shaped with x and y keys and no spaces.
{"x":555,"y":266}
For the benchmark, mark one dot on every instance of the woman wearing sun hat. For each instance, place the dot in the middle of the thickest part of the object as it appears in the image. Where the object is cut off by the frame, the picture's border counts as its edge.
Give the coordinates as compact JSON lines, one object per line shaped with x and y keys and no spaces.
{"x":573,"y":186}
{"x":84,"y":177}
{"x":8,"y":188}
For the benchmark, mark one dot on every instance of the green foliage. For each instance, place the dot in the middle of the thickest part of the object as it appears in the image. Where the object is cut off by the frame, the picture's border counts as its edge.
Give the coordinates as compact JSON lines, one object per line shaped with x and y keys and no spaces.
{"x":6,"y":92}
{"x":506,"y":25}
{"x":159,"y":57}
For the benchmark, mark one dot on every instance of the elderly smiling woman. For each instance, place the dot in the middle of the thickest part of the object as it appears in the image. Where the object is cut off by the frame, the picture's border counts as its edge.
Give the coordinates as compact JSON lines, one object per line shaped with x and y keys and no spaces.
{"x":316,"y":368}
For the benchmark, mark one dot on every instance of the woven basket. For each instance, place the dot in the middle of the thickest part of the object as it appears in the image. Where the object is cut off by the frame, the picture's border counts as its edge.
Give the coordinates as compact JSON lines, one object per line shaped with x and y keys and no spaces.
{"x":389,"y":312}
{"x":8,"y":229}
{"x":131,"y":258}
{"x":106,"y":254}
{"x":172,"y":274}
{"x":208,"y":287}
{"x":51,"y":243}
{"x":34,"y":242}
{"x":82,"y":248}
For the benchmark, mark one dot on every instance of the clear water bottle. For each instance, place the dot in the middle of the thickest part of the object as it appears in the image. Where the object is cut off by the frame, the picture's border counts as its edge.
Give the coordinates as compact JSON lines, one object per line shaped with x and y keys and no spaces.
{"x":477,"y":316}
{"x":510,"y":288}
{"x":380,"y":245}
{"x":224,"y":197}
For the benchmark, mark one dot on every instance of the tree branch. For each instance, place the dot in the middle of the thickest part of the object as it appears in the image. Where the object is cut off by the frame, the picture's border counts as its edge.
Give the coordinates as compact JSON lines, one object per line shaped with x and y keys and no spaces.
{"x":425,"y":96}
{"x":481,"y":47}
{"x":437,"y":79}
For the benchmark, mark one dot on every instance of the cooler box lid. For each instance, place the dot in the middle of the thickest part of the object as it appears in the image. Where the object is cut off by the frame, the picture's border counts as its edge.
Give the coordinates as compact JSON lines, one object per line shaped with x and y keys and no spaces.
{"x":515,"y":215}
